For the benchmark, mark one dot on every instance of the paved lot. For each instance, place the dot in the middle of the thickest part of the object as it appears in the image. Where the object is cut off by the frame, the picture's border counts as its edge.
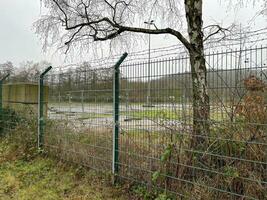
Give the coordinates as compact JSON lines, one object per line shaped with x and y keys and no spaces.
{"x":95,"y":115}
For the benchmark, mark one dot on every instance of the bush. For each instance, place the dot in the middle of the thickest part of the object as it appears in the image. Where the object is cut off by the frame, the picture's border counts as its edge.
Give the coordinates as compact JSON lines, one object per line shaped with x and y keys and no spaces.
{"x":9,"y":121}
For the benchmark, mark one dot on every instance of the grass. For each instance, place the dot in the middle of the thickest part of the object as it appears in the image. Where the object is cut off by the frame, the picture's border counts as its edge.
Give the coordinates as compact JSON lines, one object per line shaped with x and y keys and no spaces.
{"x":42,"y":178}
{"x":161,"y":158}
{"x":27,"y":175}
{"x":170,"y":114}
{"x":93,"y":115}
{"x":137,"y":146}
{"x":155,"y":114}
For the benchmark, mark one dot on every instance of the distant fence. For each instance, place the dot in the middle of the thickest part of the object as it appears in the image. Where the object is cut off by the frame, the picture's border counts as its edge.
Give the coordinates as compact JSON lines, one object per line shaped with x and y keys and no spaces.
{"x":139,"y":125}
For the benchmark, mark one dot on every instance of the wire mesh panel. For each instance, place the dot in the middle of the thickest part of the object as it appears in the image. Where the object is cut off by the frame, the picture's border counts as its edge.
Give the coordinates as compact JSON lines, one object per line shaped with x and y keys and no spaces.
{"x":79,"y":123}
{"x":158,"y":143}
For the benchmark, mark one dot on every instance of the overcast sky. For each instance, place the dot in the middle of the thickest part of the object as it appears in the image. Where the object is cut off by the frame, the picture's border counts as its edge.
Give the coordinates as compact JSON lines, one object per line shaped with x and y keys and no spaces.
{"x":18,"y":42}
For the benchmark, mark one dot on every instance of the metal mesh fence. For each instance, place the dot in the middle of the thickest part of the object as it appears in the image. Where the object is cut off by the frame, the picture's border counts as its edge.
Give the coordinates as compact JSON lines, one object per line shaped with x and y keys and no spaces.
{"x":156,"y":112}
{"x":79,"y":126}
{"x":156,"y":138}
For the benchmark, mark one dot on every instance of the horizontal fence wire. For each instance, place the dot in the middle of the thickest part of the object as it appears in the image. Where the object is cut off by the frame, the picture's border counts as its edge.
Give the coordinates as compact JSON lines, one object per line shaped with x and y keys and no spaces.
{"x":156,"y":124}
{"x":156,"y":141}
{"x":80,"y":113}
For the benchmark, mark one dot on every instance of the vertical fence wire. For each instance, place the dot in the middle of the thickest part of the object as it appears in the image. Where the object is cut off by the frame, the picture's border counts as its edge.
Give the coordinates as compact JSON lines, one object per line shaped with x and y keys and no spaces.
{"x":156,"y":141}
{"x":156,"y":124}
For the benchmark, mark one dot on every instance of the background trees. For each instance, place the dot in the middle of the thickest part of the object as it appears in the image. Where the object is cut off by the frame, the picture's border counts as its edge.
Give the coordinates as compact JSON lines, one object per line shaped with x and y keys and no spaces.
{"x":6,"y":68}
{"x":27,"y":71}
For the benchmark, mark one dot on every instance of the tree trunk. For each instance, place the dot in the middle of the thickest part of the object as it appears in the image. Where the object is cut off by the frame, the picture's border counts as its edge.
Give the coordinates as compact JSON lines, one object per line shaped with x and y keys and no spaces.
{"x":201,"y":109}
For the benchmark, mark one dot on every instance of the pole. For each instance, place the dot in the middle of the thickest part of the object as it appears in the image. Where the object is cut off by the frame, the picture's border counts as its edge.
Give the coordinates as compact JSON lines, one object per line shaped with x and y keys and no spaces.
{"x":116,"y":104}
{"x":82,"y":101}
{"x":41,"y":122}
{"x":59,"y":101}
{"x":149,"y":84}
{"x":69,"y":102}
{"x":148,"y":97}
{"x":1,"y":102}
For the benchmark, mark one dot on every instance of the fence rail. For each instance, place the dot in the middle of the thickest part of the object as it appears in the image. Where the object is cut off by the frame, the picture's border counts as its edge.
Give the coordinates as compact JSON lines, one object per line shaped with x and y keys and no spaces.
{"x":155,"y":144}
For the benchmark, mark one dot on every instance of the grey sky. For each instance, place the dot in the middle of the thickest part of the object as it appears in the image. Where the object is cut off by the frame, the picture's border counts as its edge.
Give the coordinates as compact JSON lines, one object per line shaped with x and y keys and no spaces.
{"x":17,"y":39}
{"x":18,"y":42}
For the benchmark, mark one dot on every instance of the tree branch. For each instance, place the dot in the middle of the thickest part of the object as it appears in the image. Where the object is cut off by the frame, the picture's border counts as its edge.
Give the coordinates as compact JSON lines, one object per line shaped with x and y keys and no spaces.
{"x":118,"y":29}
{"x":219,"y":29}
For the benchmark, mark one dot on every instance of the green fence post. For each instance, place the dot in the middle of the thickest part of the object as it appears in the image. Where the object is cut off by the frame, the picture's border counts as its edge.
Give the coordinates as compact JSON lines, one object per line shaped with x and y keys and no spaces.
{"x":116,"y":104}
{"x":1,"y":102}
{"x":41,"y":122}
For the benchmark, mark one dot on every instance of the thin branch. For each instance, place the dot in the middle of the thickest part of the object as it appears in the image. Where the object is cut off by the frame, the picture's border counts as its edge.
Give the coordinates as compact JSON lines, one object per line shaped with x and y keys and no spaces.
{"x":219,"y":29}
{"x":118,"y":29}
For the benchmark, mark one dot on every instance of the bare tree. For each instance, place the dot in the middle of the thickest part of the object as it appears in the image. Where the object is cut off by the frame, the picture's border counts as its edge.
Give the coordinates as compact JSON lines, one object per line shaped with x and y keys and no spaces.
{"x":263,"y":10}
{"x":29,"y":71}
{"x":101,"y":20}
{"x":6,"y":68}
{"x":250,"y":3}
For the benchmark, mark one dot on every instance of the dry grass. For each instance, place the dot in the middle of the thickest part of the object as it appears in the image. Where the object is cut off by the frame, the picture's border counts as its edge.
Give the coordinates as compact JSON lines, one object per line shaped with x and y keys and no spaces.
{"x":228,"y":165}
{"x":26,"y":174}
